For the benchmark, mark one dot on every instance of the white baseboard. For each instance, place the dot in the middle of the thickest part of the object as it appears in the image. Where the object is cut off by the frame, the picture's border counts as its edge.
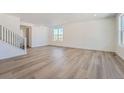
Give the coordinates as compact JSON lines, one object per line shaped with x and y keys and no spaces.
{"x":120,"y":55}
{"x":82,"y":48}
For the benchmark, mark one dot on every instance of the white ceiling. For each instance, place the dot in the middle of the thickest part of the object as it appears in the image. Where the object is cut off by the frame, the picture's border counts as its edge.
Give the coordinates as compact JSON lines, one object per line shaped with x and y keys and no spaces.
{"x":50,"y":19}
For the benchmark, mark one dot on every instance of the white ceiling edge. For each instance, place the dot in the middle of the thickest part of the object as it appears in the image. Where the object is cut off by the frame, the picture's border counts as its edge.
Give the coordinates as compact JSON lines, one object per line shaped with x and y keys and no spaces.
{"x":54,"y":19}
{"x":88,"y":20}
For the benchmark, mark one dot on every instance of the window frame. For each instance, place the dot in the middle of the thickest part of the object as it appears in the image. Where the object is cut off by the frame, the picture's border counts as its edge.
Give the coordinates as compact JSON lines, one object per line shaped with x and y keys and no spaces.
{"x":58,"y":35}
{"x":121,"y":32}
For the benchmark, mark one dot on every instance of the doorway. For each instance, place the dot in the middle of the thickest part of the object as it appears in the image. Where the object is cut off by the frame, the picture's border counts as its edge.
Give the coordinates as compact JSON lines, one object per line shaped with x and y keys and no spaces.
{"x":26,"y":32}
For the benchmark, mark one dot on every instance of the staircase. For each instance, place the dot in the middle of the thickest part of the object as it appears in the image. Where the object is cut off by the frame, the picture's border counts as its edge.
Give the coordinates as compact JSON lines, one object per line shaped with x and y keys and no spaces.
{"x":11,"y":42}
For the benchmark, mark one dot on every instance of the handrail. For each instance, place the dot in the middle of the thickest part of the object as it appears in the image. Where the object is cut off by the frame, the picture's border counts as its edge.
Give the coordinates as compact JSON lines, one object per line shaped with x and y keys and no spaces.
{"x":12,"y":38}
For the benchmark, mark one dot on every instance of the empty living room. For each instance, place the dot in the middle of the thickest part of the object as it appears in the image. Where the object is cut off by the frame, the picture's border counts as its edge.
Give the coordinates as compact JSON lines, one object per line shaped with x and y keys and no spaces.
{"x":62,"y":46}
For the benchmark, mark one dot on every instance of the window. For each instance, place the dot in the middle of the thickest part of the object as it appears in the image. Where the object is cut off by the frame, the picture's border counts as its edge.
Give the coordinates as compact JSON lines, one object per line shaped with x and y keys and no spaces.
{"x":122,"y":30}
{"x":58,"y":34}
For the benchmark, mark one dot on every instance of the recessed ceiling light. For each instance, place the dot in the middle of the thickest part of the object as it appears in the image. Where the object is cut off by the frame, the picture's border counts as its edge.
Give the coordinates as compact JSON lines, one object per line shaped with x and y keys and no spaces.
{"x":94,"y":14}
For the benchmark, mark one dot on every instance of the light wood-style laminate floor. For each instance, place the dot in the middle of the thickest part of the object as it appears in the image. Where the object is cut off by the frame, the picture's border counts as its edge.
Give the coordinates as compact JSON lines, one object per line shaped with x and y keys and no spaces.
{"x":51,"y":62}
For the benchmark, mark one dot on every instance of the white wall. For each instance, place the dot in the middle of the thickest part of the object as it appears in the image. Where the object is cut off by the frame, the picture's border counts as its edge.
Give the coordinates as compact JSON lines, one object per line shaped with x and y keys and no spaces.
{"x":8,"y":51}
{"x":95,"y":35}
{"x":10,"y":22}
{"x":119,"y":48}
{"x":39,"y":36}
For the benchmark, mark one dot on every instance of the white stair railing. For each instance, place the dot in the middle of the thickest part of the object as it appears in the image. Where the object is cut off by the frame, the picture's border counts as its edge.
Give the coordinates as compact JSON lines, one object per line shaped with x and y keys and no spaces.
{"x":12,"y":38}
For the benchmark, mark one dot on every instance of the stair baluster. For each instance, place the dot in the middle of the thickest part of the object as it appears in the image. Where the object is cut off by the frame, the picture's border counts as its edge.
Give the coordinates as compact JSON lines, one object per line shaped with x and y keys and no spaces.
{"x":12,"y":38}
